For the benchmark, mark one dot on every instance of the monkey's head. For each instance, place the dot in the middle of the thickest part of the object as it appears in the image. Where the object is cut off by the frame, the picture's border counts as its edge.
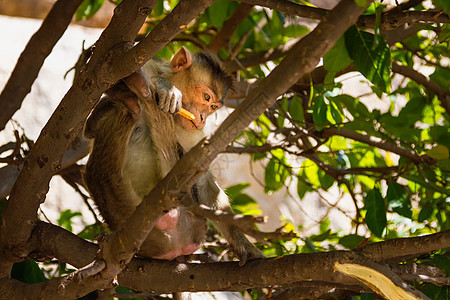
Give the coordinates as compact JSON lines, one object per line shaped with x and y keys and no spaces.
{"x":204,"y":83}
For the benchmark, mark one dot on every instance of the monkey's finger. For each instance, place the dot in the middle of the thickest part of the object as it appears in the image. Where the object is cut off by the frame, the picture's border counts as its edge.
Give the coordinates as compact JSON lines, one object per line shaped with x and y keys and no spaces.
{"x":243,"y":258}
{"x":164,"y":102}
{"x":170,"y":103}
{"x":178,"y":106}
{"x":173,"y":104}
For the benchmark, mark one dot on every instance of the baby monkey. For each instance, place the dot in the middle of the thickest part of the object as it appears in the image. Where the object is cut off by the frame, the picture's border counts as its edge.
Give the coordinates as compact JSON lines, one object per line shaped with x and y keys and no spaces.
{"x":138,"y":137}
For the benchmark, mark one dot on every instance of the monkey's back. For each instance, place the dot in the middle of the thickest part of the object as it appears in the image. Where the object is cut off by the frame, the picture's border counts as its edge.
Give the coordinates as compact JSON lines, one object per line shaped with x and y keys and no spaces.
{"x":124,"y":164}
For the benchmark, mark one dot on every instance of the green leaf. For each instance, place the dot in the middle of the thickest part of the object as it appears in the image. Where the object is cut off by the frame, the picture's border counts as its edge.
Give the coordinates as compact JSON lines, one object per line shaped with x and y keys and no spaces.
{"x":361,"y":3}
{"x":351,"y":241}
{"x":442,"y":262}
{"x":90,"y":232}
{"x":158,"y":9}
{"x":335,"y":112}
{"x":367,"y":296}
{"x":353,"y":105}
{"x":399,"y":200}
{"x":425,"y":213}
{"x":439,"y":152}
{"x":27,"y":271}
{"x":87,"y":9}
{"x":371,"y":56}
{"x":445,"y":4}
{"x":337,"y":58}
{"x":302,"y":187}
{"x":296,"y":109}
{"x":375,"y":212}
{"x":275,"y":175}
{"x":320,"y":237}
{"x":434,"y":291}
{"x":234,"y":190}
{"x":295,"y":30}
{"x":245,"y":205}
{"x":218,"y":12}
{"x":320,"y":112}
{"x":326,"y":181}
{"x":65,"y":220}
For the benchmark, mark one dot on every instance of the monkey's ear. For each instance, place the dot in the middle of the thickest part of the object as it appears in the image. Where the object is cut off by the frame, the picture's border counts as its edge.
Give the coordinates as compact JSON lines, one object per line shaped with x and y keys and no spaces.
{"x":181,"y":60}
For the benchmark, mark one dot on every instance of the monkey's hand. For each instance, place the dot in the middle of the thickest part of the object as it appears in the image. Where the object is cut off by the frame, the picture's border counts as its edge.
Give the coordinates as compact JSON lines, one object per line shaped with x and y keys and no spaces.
{"x":168,"y":97}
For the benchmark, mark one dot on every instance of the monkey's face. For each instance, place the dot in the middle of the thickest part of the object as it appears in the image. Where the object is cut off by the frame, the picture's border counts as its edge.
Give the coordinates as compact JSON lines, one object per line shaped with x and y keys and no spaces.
{"x":201,"y":101}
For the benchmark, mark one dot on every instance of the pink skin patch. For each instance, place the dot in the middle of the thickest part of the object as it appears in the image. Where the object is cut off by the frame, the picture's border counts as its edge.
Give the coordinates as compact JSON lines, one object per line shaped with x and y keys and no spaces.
{"x":168,"y":223}
{"x":189,"y":249}
{"x":169,"y":220}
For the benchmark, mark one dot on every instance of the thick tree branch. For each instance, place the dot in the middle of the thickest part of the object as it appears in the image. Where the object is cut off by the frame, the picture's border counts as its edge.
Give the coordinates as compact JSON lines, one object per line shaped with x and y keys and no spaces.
{"x":145,"y":274}
{"x":229,"y":27}
{"x":392,"y":20}
{"x":397,"y":250}
{"x":49,"y":241}
{"x":164,"y":276}
{"x":291,"y":8}
{"x":78,"y":149}
{"x":33,"y":56}
{"x":19,"y":217}
{"x":389,"y":20}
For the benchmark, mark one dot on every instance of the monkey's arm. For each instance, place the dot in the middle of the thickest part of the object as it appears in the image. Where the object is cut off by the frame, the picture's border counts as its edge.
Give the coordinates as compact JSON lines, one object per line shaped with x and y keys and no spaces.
{"x":150,"y":83}
{"x":213,"y":196}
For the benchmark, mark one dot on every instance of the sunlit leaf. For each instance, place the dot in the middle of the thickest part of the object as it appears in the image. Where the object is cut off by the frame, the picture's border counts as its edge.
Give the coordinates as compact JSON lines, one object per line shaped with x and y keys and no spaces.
{"x":337,"y":58}
{"x":276,"y":173}
{"x":234,"y":190}
{"x":219,"y":11}
{"x":65,"y":219}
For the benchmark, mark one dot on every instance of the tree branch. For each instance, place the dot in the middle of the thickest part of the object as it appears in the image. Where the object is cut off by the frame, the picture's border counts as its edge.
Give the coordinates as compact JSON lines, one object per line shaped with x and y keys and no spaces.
{"x":19,"y":217}
{"x":377,"y":142}
{"x":154,"y":275}
{"x":443,"y":96}
{"x":389,"y":20}
{"x":33,"y":56}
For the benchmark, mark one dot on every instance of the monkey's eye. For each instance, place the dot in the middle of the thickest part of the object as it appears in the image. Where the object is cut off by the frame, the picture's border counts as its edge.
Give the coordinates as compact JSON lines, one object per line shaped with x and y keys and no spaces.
{"x":206,"y":96}
{"x":214,"y":107}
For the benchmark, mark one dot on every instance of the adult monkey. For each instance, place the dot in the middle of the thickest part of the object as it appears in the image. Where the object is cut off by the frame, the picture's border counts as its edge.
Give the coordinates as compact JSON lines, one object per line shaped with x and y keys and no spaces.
{"x":137,"y":140}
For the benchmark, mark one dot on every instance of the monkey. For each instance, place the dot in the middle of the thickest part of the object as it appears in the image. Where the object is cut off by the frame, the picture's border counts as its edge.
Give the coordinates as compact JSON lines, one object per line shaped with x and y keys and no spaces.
{"x":138,"y":136}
